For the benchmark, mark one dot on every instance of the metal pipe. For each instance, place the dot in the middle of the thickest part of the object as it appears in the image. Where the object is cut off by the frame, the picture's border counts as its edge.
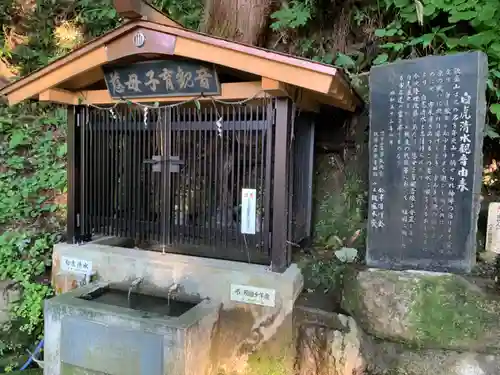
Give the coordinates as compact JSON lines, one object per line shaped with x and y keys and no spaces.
{"x":133,"y":285}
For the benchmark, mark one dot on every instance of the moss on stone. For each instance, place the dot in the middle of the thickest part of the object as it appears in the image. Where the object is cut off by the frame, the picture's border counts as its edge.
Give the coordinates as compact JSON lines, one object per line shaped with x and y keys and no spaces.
{"x":423,"y":310}
{"x":447,"y":312}
{"x":351,"y":292}
{"x":261,"y":363}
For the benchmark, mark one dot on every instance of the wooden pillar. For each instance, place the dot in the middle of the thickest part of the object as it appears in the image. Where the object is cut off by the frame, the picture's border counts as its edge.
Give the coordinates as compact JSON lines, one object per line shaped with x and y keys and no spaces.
{"x":73,"y":231}
{"x":280,"y":244}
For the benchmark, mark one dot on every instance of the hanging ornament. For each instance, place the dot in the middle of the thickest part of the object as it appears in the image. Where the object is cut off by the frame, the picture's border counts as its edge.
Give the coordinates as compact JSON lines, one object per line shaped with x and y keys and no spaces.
{"x":219,"y":127}
{"x":112,"y":113}
{"x":146,"y":110}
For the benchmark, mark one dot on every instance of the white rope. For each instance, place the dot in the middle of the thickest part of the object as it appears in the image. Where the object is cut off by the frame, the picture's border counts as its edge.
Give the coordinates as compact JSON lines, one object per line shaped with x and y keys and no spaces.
{"x":156,"y":106}
{"x":173,"y":105}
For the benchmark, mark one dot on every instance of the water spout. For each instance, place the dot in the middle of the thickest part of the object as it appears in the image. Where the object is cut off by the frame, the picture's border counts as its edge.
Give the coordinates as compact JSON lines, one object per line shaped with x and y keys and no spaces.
{"x":133,"y":285}
{"x":172,"y":289}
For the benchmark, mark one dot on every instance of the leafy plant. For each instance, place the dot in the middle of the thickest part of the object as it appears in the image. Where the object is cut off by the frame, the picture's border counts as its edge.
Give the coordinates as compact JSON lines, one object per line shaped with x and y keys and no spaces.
{"x":33,"y":145}
{"x":292,"y":15}
{"x":186,"y":12}
{"x":98,"y":16}
{"x":327,"y":272}
{"x":439,"y":27}
{"x":342,"y":218}
{"x":32,"y":187}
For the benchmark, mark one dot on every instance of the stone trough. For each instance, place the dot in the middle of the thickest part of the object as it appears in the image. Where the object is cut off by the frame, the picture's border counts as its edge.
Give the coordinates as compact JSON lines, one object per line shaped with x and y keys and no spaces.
{"x":105,"y":329}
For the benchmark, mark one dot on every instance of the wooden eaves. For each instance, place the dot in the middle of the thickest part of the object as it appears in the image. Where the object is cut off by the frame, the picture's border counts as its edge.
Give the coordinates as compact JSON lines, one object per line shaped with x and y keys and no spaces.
{"x":66,"y":80}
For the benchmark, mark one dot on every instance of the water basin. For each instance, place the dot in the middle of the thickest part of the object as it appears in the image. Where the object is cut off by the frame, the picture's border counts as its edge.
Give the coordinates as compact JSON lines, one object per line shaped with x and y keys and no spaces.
{"x":164,"y":306}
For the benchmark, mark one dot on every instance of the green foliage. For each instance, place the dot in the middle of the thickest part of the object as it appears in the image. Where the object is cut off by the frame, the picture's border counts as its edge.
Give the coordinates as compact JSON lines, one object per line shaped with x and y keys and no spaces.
{"x":328,"y":272}
{"x":448,"y":312}
{"x":445,"y":26}
{"x":91,"y":17}
{"x":33,"y":163}
{"x":97,"y":16}
{"x":32,"y":181}
{"x":325,"y":273}
{"x":33,"y":147}
{"x":339,"y":227}
{"x":295,"y":14}
{"x":187,"y":12}
{"x":341,"y":218}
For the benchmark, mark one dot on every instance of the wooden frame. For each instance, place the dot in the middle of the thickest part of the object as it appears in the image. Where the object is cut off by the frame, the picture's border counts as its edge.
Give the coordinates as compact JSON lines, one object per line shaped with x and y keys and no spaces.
{"x":316,"y":82}
{"x":282,"y":190}
{"x":229,"y":92}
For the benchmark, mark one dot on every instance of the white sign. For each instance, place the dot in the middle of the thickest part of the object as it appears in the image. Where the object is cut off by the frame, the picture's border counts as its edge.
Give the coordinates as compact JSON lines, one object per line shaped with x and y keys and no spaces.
{"x":253,"y":295}
{"x":76,"y":265}
{"x":248,"y":210}
{"x":493,"y":228}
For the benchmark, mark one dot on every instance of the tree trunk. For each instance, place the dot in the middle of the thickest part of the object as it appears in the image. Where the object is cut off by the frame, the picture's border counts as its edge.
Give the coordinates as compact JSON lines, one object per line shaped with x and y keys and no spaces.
{"x":244,"y":21}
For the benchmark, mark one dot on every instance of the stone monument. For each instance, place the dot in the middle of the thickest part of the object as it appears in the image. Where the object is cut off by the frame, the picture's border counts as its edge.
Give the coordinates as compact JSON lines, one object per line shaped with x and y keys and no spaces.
{"x":426,"y":134}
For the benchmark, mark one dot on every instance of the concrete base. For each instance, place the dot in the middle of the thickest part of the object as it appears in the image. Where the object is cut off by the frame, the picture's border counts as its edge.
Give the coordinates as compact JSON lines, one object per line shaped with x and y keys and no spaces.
{"x":241,"y":328}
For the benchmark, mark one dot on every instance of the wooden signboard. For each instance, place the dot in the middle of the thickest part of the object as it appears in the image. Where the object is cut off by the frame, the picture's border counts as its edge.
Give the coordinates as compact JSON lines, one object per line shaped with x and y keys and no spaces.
{"x":161,"y":78}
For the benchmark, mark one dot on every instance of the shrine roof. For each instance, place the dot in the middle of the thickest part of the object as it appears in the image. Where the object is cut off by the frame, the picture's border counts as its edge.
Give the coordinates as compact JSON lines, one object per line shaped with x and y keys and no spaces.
{"x":170,"y":39}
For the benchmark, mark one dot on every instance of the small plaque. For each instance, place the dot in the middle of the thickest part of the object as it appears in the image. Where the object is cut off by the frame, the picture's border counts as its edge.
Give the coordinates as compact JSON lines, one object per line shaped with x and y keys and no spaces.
{"x":76,"y":265}
{"x":248,"y":210}
{"x":253,"y":295}
{"x":493,"y":234}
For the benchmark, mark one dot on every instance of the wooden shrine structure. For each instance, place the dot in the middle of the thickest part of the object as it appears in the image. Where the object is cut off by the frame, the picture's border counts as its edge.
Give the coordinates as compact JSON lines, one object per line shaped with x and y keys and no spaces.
{"x":186,"y":142}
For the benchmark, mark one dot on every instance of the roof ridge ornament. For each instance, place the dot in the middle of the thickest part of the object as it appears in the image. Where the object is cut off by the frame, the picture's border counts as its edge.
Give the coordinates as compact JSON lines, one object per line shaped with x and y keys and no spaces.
{"x":134,"y":10}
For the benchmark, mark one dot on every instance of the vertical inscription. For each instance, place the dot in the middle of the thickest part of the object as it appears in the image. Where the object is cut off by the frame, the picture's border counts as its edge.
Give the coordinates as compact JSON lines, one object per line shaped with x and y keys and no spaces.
{"x":377,"y":197}
{"x":427,"y":118}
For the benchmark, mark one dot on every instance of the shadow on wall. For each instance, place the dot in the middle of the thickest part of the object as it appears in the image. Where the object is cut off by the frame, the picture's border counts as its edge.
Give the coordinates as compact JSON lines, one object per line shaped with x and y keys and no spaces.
{"x":340,"y":178}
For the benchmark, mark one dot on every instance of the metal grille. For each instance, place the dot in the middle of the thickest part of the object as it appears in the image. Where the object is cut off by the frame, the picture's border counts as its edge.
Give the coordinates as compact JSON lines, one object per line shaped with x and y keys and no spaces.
{"x":172,"y":179}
